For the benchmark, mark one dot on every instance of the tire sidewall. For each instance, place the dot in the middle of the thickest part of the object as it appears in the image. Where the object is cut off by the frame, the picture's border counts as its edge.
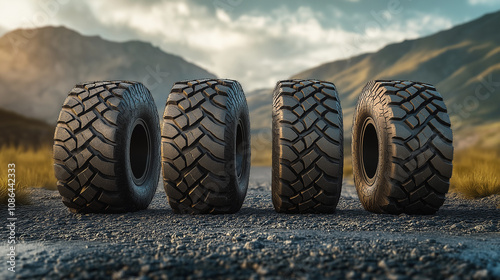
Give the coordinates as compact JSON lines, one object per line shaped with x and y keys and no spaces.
{"x":238,"y":116}
{"x":276,"y":117}
{"x":372,"y":193}
{"x":138,"y":194}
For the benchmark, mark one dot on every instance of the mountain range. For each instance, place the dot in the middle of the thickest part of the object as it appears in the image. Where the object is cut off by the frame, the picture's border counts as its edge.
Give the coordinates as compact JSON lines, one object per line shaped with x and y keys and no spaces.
{"x":462,"y":62}
{"x":39,"y":66}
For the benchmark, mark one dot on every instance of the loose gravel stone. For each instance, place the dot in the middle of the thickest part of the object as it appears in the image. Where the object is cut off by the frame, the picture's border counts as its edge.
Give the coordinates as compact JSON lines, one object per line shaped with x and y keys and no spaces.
{"x":462,"y":241}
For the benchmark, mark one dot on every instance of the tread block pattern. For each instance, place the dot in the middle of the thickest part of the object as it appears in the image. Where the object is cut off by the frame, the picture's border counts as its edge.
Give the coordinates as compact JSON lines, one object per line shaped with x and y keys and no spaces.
{"x":85,"y":146}
{"x":421,"y":146}
{"x":193,"y":145}
{"x":307,"y":147}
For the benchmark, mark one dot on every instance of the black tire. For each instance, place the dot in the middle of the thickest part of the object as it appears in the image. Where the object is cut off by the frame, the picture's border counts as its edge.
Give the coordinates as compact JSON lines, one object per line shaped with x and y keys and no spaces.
{"x":307,"y":147}
{"x":107,"y":147}
{"x":206,"y":147}
{"x":402,"y":148}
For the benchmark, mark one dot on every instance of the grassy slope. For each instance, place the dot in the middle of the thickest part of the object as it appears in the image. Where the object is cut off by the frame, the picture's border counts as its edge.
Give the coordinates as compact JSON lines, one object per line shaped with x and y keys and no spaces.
{"x":476,"y":172}
{"x":33,"y":169}
{"x":476,"y":166}
{"x":457,"y":62}
{"x":26,"y":143}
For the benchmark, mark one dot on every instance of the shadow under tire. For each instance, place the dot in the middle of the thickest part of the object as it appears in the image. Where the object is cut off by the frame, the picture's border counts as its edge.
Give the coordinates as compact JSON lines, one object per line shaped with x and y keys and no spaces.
{"x":307,"y":147}
{"x":402,"y":148}
{"x":206,"y":147}
{"x":107,"y":148}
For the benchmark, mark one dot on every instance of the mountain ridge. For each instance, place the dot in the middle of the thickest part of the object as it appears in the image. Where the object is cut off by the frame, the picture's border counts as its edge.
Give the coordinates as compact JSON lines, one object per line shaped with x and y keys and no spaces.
{"x":41,"y":65}
{"x":459,"y":61}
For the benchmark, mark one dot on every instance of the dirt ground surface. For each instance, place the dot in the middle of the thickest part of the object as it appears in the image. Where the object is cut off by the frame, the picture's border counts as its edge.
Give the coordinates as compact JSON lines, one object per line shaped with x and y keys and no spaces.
{"x":462,"y":241}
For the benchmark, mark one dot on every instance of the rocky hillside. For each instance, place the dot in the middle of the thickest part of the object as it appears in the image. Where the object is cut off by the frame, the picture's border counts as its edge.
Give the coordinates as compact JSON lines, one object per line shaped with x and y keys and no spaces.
{"x":462,"y":62}
{"x":39,"y":66}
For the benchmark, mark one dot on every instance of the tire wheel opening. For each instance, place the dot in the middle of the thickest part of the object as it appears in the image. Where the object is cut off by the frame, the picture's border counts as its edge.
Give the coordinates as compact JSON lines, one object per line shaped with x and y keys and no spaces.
{"x":369,"y":154}
{"x":139,"y":151}
{"x":240,"y":153}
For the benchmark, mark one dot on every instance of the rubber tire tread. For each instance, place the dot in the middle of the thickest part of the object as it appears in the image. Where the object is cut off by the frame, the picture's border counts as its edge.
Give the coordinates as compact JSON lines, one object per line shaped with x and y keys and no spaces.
{"x":198,"y":146}
{"x":91,"y":147}
{"x":307,"y":153}
{"x":415,"y":147}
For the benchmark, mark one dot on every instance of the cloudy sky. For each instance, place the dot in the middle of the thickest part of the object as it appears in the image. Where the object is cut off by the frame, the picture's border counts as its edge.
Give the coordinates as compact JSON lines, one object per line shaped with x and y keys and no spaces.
{"x":256,"y":42}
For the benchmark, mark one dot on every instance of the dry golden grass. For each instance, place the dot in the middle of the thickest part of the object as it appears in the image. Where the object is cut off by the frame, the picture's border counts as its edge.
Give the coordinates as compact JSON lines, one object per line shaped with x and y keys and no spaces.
{"x":33,"y":169}
{"x":476,"y":173}
{"x":261,"y":150}
{"x":347,"y":167}
{"x":262,"y":158}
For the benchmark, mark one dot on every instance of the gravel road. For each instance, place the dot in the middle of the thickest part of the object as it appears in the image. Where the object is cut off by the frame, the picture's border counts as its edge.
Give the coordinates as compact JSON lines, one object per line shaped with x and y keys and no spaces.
{"x":462,"y":241}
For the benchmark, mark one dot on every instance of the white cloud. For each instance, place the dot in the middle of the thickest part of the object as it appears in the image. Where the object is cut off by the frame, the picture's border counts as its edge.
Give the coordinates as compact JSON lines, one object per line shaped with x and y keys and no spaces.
{"x":17,"y":14}
{"x":223,"y":16}
{"x":483,"y":2}
{"x":256,"y":49}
